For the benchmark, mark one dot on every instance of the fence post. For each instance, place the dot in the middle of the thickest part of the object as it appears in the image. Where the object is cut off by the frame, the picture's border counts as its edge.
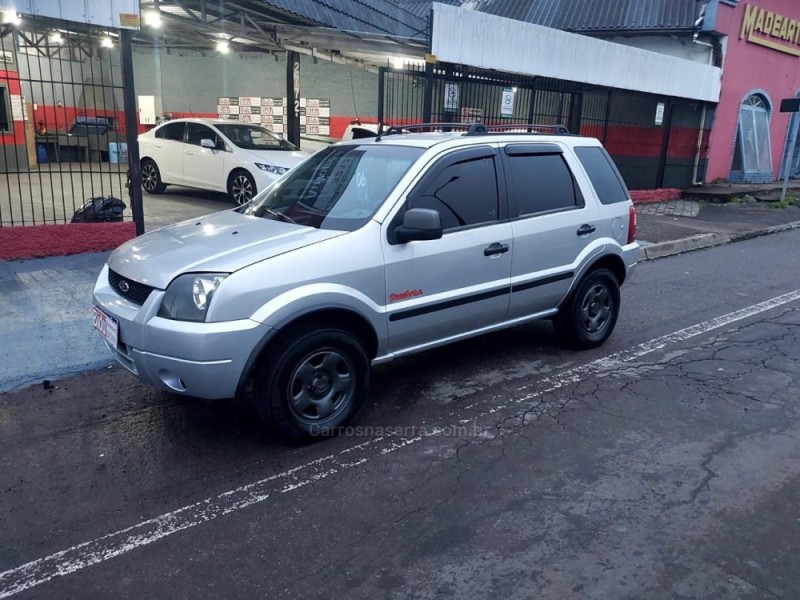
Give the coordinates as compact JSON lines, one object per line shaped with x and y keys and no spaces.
{"x":427,"y":100}
{"x":131,"y":130}
{"x":607,"y":117}
{"x":381,"y":95}
{"x":531,"y":108}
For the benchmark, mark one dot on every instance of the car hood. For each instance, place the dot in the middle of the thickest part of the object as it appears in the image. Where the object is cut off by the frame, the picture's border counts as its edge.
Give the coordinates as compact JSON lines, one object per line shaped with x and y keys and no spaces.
{"x":277,"y":158}
{"x":220,"y":243}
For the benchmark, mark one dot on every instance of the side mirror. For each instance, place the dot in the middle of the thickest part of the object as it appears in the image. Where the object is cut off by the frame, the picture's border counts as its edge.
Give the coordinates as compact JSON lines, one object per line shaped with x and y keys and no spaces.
{"x":207,"y":143}
{"x":419,"y":224}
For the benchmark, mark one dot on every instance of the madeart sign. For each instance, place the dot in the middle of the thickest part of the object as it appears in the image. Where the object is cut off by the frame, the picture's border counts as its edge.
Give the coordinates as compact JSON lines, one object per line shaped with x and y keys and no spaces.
{"x":770,"y":29}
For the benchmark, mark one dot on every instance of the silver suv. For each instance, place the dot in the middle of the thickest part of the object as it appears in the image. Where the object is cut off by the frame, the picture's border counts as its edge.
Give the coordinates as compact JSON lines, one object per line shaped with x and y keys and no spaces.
{"x":367,"y":251}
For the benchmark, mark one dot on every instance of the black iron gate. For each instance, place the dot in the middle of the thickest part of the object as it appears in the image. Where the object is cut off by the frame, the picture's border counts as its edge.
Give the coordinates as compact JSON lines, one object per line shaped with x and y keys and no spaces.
{"x":62,"y":115}
{"x":651,"y":148}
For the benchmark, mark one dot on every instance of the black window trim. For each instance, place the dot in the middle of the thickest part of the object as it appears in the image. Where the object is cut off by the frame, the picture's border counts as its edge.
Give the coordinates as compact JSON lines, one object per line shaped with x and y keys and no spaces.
{"x":580,"y":197}
{"x":445,"y":161}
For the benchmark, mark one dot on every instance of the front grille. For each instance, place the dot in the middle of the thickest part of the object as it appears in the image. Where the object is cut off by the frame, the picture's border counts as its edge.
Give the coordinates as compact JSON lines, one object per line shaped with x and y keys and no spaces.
{"x":137,"y":292}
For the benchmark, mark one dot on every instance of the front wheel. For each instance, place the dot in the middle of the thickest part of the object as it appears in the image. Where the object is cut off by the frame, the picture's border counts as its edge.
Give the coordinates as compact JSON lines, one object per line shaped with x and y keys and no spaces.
{"x":589,"y":315}
{"x":312,"y":384}
{"x":241,"y":187}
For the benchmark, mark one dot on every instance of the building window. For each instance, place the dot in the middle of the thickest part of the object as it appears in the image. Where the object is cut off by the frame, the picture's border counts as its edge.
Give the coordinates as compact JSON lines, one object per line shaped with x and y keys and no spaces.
{"x":752,"y":155}
{"x":5,"y":113}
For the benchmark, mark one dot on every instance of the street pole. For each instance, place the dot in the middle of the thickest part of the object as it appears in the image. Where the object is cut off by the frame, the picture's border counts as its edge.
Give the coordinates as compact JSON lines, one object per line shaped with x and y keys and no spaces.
{"x":789,"y":154}
{"x":131,"y":130}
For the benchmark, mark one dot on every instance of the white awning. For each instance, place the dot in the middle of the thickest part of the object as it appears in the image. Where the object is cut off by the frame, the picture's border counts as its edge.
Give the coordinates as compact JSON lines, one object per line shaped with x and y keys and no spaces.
{"x":477,"y":39}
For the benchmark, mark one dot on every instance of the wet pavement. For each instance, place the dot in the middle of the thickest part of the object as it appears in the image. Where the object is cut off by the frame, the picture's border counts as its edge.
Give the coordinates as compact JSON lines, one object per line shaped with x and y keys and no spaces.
{"x":664,"y":465}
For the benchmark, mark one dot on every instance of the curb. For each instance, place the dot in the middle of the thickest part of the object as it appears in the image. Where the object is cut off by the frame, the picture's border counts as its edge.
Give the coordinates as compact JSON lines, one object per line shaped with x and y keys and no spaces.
{"x":708,"y":240}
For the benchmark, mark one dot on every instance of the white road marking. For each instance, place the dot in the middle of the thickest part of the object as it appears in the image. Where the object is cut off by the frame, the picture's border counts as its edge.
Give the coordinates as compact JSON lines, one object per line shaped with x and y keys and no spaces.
{"x":75,"y":558}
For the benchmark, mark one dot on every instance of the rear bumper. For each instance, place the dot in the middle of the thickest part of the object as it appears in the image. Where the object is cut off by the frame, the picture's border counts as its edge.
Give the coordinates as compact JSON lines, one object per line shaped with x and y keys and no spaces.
{"x":207,"y":360}
{"x":630,"y":256}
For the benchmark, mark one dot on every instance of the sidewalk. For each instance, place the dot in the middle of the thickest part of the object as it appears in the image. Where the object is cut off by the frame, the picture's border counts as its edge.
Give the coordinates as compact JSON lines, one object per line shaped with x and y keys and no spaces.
{"x":45,"y":316}
{"x":667,"y":228}
{"x":45,"y":319}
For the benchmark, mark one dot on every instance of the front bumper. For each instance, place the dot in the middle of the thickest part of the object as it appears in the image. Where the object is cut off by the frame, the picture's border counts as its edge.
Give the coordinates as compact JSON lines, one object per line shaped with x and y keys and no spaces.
{"x":207,"y":360}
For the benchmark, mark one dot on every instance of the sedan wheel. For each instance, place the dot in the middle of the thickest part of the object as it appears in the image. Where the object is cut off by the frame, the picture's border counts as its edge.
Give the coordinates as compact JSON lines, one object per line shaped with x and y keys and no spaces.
{"x":242,"y":187}
{"x":151,"y":178}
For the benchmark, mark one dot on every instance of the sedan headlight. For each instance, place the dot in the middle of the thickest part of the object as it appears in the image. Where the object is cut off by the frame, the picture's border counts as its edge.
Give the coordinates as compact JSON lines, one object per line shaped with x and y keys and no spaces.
{"x":188,"y":296}
{"x":272,"y":168}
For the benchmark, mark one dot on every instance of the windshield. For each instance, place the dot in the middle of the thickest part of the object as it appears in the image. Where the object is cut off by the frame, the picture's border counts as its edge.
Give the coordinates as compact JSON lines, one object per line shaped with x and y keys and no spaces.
{"x":253,"y":137}
{"x":338,"y":188}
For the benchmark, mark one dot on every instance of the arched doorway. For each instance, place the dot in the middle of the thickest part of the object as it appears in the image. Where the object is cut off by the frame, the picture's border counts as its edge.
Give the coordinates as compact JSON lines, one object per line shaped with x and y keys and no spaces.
{"x":752,"y":153}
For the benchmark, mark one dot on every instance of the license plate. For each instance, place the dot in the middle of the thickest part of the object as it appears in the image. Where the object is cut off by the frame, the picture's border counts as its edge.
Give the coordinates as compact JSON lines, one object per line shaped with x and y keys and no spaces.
{"x":106,"y":325}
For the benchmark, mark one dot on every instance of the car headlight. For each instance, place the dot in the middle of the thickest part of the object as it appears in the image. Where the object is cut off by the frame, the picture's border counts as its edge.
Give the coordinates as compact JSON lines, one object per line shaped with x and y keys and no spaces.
{"x":188,"y":296}
{"x":272,"y":168}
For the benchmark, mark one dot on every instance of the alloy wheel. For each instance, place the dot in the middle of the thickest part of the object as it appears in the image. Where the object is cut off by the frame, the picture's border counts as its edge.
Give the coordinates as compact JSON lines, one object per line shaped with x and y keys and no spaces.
{"x":242,"y":189}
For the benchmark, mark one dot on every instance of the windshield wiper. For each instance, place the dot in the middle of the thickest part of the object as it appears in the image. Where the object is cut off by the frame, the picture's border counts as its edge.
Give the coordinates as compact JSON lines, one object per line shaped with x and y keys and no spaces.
{"x":279,"y":215}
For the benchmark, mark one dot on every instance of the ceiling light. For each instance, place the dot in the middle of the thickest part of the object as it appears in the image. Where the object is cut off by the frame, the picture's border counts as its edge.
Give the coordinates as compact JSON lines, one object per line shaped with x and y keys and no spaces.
{"x":223,"y":46}
{"x":107,"y":42}
{"x":152,"y":18}
{"x":10,"y":17}
{"x":55,"y":38}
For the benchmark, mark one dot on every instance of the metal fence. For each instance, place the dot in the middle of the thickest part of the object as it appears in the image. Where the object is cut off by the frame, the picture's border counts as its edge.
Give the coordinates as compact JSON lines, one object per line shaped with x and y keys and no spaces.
{"x":649,"y":154}
{"x":62,"y":120}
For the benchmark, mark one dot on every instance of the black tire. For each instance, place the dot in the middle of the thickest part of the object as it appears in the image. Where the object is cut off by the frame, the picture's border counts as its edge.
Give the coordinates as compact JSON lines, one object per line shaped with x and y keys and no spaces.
{"x":589,"y":315}
{"x":151,"y":178}
{"x":241,"y":187}
{"x":295,"y":387}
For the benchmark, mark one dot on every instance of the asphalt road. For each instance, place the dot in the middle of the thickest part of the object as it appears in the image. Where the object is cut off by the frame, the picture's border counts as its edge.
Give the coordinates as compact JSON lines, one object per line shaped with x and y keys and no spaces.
{"x":664,"y":465}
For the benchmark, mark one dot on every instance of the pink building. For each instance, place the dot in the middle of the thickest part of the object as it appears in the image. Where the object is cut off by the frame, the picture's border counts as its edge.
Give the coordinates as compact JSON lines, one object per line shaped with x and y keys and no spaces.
{"x":750,"y":137}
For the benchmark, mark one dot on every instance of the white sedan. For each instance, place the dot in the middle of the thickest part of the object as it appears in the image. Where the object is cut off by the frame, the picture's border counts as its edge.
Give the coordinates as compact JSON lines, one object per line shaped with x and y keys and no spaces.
{"x":226,"y":156}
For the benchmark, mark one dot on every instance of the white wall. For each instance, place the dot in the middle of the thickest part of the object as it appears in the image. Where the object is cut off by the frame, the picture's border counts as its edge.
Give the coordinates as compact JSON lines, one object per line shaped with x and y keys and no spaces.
{"x":490,"y":42}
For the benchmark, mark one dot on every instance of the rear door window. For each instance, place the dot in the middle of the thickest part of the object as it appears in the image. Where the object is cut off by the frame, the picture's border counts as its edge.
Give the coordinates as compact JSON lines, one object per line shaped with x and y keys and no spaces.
{"x":541,"y":183}
{"x":171,"y":131}
{"x":603,"y":174}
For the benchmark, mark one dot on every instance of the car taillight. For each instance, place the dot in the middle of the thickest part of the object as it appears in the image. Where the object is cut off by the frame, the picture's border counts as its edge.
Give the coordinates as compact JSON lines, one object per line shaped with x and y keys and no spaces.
{"x":631,"y":225}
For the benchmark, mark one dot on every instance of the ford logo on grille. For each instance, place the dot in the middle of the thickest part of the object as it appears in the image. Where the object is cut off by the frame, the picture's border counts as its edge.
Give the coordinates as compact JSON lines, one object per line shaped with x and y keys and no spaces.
{"x":123,"y":286}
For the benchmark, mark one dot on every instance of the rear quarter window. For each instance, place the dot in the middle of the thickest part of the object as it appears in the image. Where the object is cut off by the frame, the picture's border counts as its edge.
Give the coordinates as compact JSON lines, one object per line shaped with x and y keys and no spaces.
{"x":605,"y":178}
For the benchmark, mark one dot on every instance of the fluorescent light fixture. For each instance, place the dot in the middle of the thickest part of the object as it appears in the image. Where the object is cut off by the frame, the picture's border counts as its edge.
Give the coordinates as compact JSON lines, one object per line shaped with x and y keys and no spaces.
{"x":10,"y":17}
{"x":107,"y":42}
{"x":152,"y":18}
{"x":55,"y":38}
{"x":223,"y":46}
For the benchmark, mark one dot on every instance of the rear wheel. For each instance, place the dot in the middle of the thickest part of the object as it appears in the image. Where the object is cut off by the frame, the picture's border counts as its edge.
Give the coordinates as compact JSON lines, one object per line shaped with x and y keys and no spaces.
{"x":151,"y":178}
{"x":241,"y":187}
{"x":588,"y":317}
{"x":313,"y":383}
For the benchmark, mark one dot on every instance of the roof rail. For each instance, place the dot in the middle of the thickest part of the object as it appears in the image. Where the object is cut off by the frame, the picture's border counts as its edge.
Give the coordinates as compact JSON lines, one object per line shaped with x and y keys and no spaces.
{"x":474,"y":128}
{"x":397,"y":129}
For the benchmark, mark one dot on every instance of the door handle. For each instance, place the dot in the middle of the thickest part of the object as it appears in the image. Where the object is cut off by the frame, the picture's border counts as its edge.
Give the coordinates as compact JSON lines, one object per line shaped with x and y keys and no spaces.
{"x":586,"y":229}
{"x":189,"y":153}
{"x":158,"y":145}
{"x":496,"y":248}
